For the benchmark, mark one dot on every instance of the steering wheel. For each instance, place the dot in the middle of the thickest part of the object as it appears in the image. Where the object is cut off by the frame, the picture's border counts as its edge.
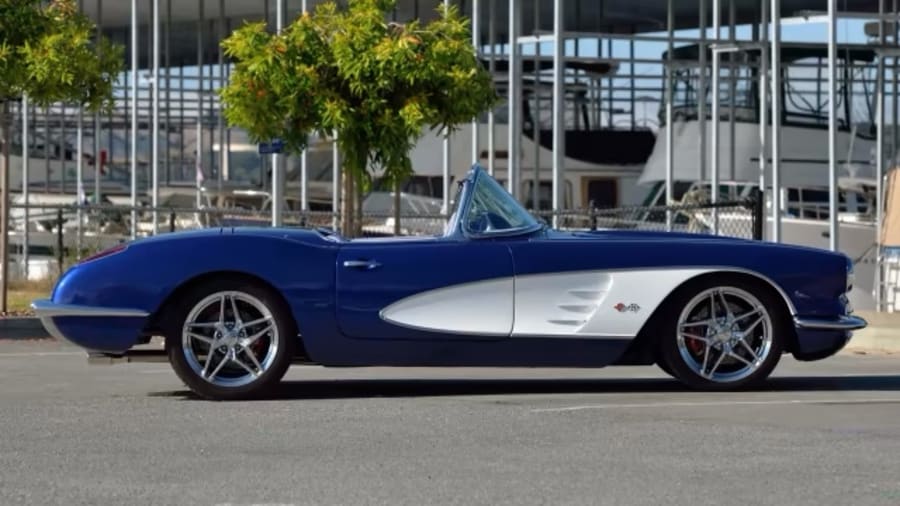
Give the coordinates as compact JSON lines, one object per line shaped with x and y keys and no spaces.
{"x":488,"y":221}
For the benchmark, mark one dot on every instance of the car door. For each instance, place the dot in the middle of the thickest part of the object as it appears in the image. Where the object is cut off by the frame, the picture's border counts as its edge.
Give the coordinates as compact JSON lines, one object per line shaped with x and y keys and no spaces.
{"x":424,"y":288}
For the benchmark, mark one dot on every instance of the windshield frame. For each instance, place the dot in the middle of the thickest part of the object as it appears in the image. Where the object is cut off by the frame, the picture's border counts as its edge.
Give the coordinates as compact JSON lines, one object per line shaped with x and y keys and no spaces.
{"x":457,"y":224}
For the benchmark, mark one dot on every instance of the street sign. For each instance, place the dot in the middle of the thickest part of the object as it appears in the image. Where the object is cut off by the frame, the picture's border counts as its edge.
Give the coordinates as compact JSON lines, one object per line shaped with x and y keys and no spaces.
{"x":267,"y":148}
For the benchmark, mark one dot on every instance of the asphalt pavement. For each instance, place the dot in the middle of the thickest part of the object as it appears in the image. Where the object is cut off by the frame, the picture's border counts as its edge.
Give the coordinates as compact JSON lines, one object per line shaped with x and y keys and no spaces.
{"x":818,"y":433}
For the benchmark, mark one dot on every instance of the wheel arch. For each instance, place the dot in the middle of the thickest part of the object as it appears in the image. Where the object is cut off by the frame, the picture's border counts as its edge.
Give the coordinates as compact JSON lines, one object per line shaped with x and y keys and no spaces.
{"x":157,"y":317}
{"x":643,"y":349}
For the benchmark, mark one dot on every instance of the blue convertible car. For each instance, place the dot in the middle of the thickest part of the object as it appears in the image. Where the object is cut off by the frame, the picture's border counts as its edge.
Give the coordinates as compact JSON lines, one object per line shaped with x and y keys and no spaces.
{"x":237,"y":306}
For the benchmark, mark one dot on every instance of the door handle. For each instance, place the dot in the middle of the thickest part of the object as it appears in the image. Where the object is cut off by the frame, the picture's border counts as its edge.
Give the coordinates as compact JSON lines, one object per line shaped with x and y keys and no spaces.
{"x":361,"y":264}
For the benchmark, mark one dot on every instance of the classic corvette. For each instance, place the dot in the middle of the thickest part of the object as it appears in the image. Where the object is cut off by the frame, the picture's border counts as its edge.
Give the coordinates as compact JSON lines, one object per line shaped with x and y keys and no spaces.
{"x":238,"y":306}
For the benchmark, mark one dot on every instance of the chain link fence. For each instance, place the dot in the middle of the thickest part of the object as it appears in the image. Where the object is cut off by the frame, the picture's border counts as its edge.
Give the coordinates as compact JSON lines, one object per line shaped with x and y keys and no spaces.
{"x":56,"y":240}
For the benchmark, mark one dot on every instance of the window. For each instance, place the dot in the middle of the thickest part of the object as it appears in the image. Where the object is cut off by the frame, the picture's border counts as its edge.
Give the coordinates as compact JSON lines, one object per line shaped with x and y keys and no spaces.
{"x":493,"y":209}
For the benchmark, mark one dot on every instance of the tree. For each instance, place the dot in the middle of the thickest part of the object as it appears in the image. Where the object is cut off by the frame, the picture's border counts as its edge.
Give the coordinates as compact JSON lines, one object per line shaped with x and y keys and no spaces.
{"x":376,"y":84}
{"x":48,"y":52}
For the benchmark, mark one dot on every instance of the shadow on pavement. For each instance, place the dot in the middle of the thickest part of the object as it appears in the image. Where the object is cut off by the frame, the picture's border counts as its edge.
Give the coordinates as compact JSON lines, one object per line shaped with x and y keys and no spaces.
{"x":399,"y":388}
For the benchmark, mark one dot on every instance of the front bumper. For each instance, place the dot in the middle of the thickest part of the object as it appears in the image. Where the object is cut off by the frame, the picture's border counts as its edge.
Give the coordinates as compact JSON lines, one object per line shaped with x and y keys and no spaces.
{"x":92,"y":328}
{"x":845,"y":323}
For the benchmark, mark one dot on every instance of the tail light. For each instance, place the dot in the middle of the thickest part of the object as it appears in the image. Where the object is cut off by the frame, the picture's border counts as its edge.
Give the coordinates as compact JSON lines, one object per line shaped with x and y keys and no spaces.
{"x":105,"y":253}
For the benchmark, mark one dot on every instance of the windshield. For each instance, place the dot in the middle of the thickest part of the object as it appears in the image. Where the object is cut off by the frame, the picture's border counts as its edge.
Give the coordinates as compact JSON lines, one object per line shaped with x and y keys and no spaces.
{"x":492,"y":209}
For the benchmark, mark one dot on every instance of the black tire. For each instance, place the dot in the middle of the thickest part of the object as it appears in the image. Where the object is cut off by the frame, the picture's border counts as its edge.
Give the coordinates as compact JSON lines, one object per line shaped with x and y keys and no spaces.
{"x":248,"y":296}
{"x":682,"y":356}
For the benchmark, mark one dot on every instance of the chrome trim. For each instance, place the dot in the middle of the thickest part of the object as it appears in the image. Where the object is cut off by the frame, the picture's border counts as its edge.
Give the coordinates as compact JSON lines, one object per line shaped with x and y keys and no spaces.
{"x":45,"y":308}
{"x":845,"y":322}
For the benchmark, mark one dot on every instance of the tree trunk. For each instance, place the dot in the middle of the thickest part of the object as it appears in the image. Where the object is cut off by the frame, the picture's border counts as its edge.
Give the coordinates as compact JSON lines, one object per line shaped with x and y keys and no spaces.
{"x":397,"y":208}
{"x":4,"y":208}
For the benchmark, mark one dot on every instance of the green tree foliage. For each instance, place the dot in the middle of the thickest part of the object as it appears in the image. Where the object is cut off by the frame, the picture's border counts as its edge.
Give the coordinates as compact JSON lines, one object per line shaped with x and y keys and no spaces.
{"x":377,"y":84}
{"x":49,"y":52}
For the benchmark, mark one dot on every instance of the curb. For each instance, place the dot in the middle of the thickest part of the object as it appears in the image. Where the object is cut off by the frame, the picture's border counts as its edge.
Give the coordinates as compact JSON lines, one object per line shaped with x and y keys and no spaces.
{"x":22,"y":328}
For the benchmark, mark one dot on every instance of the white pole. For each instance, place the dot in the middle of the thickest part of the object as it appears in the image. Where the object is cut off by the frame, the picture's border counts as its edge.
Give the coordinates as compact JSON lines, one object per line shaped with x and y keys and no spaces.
{"x":513,"y":94}
{"x":26,"y":177}
{"x":559,"y":137}
{"x":476,"y":43}
{"x":714,"y":180}
{"x":763,"y":98}
{"x":832,"y":126}
{"x":670,"y":132}
{"x":79,"y":176}
{"x":776,"y":120}
{"x":879,"y":163}
{"x":304,"y":177}
{"x":445,"y":162}
{"x":277,"y":166}
{"x":154,"y":130}
{"x":701,"y":103}
{"x":199,"y":167}
{"x":134,"y":119}
{"x":492,"y":67}
{"x":335,"y":181}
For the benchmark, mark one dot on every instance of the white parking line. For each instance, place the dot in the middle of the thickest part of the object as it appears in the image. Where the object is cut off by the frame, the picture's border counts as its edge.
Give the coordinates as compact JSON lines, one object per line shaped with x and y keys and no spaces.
{"x":716,"y":404}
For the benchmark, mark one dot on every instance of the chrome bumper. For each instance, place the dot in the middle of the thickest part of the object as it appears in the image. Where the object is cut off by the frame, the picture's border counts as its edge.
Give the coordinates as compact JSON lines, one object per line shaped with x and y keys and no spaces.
{"x":845,"y":322}
{"x":46,"y":310}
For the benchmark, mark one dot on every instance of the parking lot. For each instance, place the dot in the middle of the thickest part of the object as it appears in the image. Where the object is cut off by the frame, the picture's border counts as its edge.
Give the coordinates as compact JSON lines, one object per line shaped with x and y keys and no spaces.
{"x":73,"y":433}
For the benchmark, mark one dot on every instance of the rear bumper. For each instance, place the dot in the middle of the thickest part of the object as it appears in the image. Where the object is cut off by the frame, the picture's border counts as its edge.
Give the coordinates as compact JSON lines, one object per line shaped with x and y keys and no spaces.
{"x":93,"y":328}
{"x":845,"y":323}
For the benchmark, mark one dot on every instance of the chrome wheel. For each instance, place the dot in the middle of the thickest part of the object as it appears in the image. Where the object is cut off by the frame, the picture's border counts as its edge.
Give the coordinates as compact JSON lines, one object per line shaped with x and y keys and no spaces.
{"x":725,"y":334}
{"x":230,"y":338}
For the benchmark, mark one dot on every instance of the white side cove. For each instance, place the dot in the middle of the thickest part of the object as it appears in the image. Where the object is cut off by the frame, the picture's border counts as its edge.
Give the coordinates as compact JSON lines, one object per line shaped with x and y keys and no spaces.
{"x":484,"y":308}
{"x":584,"y":304}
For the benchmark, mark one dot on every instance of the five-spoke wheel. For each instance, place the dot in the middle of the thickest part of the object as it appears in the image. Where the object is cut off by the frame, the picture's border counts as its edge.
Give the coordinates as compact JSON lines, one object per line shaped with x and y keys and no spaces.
{"x":722,"y":334}
{"x":230,"y":339}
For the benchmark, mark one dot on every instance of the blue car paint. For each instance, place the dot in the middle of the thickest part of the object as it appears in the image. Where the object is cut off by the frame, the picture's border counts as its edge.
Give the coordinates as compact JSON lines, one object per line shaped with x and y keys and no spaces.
{"x":406,"y":269}
{"x":336,"y":309}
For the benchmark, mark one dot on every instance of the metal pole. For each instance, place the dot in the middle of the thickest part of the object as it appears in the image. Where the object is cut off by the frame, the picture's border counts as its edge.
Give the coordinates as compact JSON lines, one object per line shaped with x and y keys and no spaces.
{"x":4,"y":211}
{"x":701,"y":102}
{"x":277,"y":166}
{"x":492,"y":67}
{"x":445,"y":161}
{"x":559,"y":90}
{"x":304,"y":155}
{"x":26,"y":177}
{"x":335,"y":181}
{"x":763,"y":98}
{"x":199,"y":163}
{"x":97,"y":174}
{"x":895,"y":132}
{"x":536,"y":114}
{"x":134,"y":117}
{"x":514,"y":94}
{"x":79,"y":183}
{"x":220,"y":115}
{"x":670,"y":133}
{"x":714,"y":194}
{"x":879,"y":163}
{"x":832,"y":126}
{"x":776,"y":120}
{"x":154,"y":130}
{"x":476,"y":39}
{"x":732,"y":90}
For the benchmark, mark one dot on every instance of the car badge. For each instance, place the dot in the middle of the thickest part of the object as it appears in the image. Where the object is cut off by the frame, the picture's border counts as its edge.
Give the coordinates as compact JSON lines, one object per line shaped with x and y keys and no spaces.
{"x":621,"y":307}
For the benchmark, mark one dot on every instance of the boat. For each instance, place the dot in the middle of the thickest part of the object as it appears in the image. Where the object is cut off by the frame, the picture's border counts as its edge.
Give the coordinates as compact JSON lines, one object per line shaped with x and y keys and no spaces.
{"x":803,"y":198}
